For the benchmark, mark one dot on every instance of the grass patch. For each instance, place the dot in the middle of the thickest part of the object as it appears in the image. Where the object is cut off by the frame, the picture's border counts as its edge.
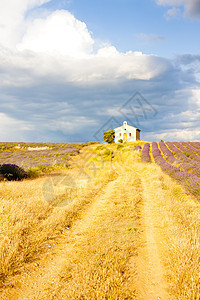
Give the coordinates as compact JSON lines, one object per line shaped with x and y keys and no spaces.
{"x":181,"y":235}
{"x":101,"y":266}
{"x":27,"y":219}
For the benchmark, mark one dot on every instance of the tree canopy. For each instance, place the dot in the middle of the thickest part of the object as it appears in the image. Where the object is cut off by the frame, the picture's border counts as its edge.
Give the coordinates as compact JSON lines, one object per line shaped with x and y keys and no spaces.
{"x":109,"y":136}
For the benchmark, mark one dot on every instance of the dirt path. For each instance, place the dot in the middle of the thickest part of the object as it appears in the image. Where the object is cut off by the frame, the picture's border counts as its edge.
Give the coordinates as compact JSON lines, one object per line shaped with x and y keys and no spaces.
{"x":114,"y":215}
{"x":152,"y":282}
{"x":43,"y":274}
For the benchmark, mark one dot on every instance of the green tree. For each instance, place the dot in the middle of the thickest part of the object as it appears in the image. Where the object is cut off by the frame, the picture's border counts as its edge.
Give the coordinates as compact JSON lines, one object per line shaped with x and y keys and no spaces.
{"x":109,"y":136}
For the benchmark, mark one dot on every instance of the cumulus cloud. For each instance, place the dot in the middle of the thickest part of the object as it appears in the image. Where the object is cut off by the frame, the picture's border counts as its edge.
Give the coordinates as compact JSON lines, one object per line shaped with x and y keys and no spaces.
{"x":60,"y":46}
{"x":176,"y":135}
{"x":106,"y":64}
{"x":192,"y":7}
{"x":59,"y":32}
{"x":12,"y":19}
{"x":54,"y":86}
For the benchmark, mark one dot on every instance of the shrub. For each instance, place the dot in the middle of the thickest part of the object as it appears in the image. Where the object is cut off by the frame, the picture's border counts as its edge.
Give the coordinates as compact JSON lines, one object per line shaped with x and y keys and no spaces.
{"x":106,"y":152}
{"x":100,"y":147}
{"x":109,"y":136}
{"x":120,"y":141}
{"x":120,"y":146}
{"x":12,"y":172}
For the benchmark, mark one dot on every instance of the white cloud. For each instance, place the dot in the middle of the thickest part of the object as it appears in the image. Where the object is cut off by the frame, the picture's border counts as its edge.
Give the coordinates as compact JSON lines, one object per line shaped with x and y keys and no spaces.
{"x":173,"y":13}
{"x":107,"y":65}
{"x":7,"y":121}
{"x":196,"y":98}
{"x":175,"y":135}
{"x":59,"y":32}
{"x":50,"y":76}
{"x":60,"y":46}
{"x":10,"y":128}
{"x":72,"y":126}
{"x":12,"y":19}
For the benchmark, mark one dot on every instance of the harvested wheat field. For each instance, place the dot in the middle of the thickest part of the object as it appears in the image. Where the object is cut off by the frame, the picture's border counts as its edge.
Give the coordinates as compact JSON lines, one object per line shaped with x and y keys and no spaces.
{"x":107,"y":227}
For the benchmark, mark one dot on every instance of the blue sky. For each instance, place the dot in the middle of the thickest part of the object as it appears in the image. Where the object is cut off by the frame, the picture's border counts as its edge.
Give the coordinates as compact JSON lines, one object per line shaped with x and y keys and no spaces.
{"x":68,"y":69}
{"x":136,"y":25}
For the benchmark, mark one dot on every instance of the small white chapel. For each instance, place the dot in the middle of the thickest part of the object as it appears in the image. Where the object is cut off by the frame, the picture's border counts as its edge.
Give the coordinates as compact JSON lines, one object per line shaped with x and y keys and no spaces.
{"x":127,"y":133}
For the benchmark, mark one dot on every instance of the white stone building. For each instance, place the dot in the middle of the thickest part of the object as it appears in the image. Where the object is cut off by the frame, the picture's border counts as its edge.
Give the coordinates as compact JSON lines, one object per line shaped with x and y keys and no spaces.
{"x":127,"y":133}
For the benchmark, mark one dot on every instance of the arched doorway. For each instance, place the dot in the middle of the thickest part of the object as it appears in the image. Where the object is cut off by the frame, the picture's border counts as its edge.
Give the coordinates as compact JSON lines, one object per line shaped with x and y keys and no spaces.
{"x":124,"y":137}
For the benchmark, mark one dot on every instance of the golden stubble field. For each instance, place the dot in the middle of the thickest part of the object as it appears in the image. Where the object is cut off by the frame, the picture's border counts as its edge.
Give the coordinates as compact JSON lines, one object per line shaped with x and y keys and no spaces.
{"x":128,"y":232}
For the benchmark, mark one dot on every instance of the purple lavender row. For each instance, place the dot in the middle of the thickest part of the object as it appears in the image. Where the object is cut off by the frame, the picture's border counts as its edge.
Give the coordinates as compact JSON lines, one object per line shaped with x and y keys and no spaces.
{"x":176,"y":151}
{"x":145,"y":157}
{"x":190,"y":181}
{"x":185,"y":151}
{"x":195,"y":144}
{"x":59,"y":154}
{"x":168,"y":154}
{"x":195,"y":152}
{"x":180,"y":155}
{"x":165,"y":166}
{"x":189,"y":153}
{"x":191,"y":147}
{"x":185,"y":166}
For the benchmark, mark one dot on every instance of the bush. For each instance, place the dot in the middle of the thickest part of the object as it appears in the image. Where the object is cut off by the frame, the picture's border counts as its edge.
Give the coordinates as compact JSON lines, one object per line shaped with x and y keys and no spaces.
{"x":109,"y":136}
{"x":12,"y":172}
{"x":106,"y":152}
{"x":120,"y":146}
{"x":100,"y":147}
{"x":120,"y":141}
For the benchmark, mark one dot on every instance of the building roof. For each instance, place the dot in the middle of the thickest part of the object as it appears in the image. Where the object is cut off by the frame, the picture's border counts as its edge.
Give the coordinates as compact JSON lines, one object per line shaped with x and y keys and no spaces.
{"x":125,"y":123}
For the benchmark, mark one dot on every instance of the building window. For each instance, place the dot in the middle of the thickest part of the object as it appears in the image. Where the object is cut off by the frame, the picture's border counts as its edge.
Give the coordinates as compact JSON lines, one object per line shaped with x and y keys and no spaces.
{"x":120,"y":134}
{"x":129,"y":134}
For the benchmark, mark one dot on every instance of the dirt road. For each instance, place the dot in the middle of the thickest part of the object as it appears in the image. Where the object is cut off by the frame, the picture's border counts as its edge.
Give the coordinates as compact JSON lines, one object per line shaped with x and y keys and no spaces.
{"x":152,"y":282}
{"x":115,"y":250}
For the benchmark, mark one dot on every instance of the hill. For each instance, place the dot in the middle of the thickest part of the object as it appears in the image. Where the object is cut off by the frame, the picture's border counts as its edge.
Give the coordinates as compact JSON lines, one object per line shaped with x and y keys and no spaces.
{"x":107,"y":227}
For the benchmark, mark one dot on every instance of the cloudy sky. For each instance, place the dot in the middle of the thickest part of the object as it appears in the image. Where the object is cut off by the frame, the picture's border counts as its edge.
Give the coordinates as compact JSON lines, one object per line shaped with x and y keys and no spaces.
{"x":71,"y":69}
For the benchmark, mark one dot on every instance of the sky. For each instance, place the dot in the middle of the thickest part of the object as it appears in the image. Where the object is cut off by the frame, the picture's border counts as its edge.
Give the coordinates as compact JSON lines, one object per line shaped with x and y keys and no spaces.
{"x":71,"y":69}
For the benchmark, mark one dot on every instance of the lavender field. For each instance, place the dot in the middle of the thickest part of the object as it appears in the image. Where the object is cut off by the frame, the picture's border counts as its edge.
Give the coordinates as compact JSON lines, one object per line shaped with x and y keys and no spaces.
{"x":180,"y":160}
{"x":145,"y":156}
{"x":37,"y":155}
{"x":86,"y":212}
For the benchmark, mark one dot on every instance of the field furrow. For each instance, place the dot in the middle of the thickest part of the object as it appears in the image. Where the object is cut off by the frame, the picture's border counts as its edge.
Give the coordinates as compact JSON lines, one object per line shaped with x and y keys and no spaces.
{"x":120,"y":229}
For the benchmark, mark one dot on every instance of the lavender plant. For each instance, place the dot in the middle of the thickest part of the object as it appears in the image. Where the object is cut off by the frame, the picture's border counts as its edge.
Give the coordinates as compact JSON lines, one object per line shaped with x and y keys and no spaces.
{"x":180,"y":155}
{"x":29,"y":155}
{"x":190,"y":181}
{"x":145,"y":157}
{"x":184,"y":164}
